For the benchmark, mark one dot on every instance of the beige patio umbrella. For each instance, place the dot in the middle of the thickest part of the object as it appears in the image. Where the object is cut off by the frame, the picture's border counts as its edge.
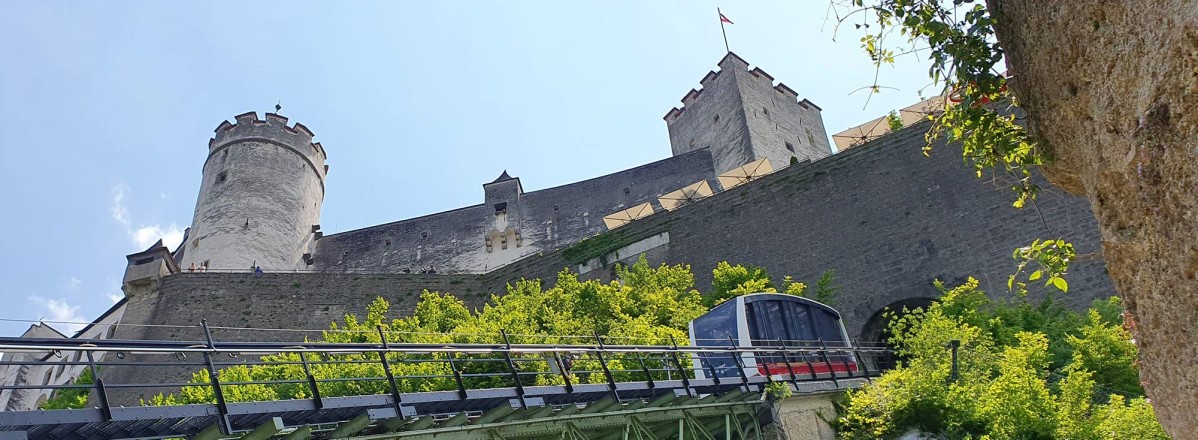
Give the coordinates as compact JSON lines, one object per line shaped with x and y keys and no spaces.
{"x":745,"y":173}
{"x":672,"y":200}
{"x":626,"y":216}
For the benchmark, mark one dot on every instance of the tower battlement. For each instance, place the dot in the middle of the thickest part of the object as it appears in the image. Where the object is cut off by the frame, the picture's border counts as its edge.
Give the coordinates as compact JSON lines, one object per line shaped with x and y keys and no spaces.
{"x":274,"y":128}
{"x":742,"y":115}
{"x":760,"y":77}
{"x":260,"y":196}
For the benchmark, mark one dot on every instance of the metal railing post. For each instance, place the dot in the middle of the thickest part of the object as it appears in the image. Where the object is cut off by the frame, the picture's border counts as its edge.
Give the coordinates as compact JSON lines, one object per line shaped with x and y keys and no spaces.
{"x":823,"y":351}
{"x":512,"y":366}
{"x":221,"y":406}
{"x":387,"y":369}
{"x":955,"y":372}
{"x":740,"y":364}
{"x":678,"y":363}
{"x":561,"y":366}
{"x":861,"y":362}
{"x":844,"y":357}
{"x":786,"y":359}
{"x":611,"y":381}
{"x":101,"y":393}
{"x":645,"y":368}
{"x":457,"y":376}
{"x":316,"y":400}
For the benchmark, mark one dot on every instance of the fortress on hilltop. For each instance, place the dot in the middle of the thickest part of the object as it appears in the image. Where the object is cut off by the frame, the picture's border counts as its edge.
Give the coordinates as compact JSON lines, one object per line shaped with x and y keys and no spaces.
{"x":751,"y":179}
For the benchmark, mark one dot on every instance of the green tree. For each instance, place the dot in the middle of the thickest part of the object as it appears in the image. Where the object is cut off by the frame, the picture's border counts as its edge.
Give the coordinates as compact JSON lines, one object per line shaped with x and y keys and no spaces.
{"x":894,"y":121}
{"x":728,"y":281}
{"x":72,"y":398}
{"x":1115,"y":137}
{"x":646,"y":305}
{"x":1009,"y":386}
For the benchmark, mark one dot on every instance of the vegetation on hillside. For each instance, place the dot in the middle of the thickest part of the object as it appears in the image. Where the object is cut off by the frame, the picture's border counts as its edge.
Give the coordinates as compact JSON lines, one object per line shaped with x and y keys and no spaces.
{"x":645,"y":305}
{"x":71,"y":397}
{"x":1120,"y":138}
{"x":1024,"y":372}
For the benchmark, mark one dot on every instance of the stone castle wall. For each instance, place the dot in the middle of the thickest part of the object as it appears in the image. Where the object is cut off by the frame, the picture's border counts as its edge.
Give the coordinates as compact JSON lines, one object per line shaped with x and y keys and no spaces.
{"x":260,"y":196}
{"x":888,"y":220}
{"x":741,"y":116}
{"x":455,"y":241}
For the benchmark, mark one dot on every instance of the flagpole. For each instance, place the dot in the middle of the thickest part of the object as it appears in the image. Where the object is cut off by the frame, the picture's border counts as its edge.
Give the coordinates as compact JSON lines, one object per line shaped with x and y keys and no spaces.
{"x":722,"y":31}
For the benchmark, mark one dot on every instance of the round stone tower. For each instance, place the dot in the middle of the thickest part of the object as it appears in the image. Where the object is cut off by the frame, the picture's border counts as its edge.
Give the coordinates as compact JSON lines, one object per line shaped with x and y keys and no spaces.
{"x":259,"y":202}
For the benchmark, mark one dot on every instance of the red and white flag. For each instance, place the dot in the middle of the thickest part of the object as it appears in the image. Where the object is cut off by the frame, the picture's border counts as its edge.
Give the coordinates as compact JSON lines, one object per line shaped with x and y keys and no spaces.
{"x":724,"y":19}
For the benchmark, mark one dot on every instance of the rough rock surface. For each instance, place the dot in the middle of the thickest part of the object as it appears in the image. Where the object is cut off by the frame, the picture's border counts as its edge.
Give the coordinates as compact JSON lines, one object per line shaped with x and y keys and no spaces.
{"x":1111,"y":90}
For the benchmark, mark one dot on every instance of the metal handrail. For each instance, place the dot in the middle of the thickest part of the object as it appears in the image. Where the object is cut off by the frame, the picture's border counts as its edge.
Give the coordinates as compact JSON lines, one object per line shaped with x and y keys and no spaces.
{"x":499,"y":365}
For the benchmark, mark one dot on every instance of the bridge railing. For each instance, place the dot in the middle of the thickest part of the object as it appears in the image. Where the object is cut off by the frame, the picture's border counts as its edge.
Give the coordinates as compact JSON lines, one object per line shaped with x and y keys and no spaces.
{"x":239,"y":371}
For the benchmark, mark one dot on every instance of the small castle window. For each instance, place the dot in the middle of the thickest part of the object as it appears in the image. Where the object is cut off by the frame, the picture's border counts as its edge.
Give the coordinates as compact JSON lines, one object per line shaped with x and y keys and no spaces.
{"x":224,"y":155}
{"x":223,"y":176}
{"x":501,"y":206}
{"x":195,"y":244}
{"x":627,"y":190}
{"x":387,"y":243}
{"x":790,"y":147}
{"x":424,"y":234}
{"x":766,"y":111}
{"x":717,"y":118}
{"x":554,"y":208}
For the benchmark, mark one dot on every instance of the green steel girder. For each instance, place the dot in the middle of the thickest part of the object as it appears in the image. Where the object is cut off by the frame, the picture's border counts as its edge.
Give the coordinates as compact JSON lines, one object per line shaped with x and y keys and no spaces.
{"x":731,"y":415}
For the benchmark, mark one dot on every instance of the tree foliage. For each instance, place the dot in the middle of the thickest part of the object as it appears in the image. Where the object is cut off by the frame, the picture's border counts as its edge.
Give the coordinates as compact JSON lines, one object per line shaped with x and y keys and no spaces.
{"x":645,"y":305}
{"x":72,"y":398}
{"x":1025,"y":371}
{"x":979,"y":111}
{"x":729,"y":281}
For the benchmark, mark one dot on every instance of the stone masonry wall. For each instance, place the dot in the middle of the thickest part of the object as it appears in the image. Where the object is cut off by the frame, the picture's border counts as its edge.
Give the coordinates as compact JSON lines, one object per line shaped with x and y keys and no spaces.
{"x":547,"y":219}
{"x":888,"y":220}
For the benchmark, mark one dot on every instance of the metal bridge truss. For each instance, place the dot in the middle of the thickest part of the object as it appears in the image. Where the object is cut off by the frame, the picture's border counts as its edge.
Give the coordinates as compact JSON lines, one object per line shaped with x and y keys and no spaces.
{"x":655,"y":395}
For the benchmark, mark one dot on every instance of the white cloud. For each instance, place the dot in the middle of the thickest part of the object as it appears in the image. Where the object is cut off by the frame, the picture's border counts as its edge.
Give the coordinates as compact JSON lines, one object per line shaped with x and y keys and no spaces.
{"x":63,"y":315}
{"x":73,"y":283}
{"x":114,"y":297}
{"x":117,"y":210}
{"x":145,"y":235}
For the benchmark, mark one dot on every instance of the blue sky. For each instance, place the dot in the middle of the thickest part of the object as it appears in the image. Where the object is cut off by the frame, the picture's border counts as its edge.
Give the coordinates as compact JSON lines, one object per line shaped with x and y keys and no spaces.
{"x":106,"y":108}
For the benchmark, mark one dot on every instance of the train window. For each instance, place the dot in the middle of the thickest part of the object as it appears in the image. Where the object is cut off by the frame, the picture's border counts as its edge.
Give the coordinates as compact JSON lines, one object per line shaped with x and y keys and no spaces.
{"x":714,"y":329}
{"x":827,"y":327}
{"x":800,"y":316}
{"x":716,"y":326}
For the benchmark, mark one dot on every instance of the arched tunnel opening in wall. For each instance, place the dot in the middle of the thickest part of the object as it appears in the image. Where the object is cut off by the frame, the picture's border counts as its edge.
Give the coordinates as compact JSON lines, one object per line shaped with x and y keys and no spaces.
{"x":876,"y":332}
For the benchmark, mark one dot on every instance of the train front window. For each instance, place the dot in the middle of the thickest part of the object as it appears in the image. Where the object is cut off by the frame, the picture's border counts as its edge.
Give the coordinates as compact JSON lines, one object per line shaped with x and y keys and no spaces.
{"x":771,"y":320}
{"x":828,"y":328}
{"x":716,"y":326}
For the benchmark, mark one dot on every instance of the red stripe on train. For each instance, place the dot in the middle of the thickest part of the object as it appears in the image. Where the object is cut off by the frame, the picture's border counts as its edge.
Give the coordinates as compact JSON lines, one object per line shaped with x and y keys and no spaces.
{"x":775,"y":369}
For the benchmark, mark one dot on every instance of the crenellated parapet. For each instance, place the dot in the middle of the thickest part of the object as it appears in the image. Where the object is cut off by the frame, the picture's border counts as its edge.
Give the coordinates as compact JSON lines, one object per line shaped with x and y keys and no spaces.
{"x":757,"y":77}
{"x":273,"y":129}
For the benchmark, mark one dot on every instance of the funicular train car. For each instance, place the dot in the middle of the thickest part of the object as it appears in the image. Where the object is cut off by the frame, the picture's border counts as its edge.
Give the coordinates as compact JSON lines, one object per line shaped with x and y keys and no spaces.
{"x":772,"y":320}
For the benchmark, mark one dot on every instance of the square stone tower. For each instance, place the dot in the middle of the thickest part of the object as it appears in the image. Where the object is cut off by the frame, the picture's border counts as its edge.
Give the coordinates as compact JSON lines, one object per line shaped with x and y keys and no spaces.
{"x":741,"y":116}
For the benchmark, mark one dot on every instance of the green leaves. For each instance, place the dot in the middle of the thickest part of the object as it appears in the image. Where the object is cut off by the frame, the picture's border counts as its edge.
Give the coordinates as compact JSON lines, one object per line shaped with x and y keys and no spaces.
{"x":1051,"y":256}
{"x":646,"y":305}
{"x":71,"y":398}
{"x":1027,"y":371}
